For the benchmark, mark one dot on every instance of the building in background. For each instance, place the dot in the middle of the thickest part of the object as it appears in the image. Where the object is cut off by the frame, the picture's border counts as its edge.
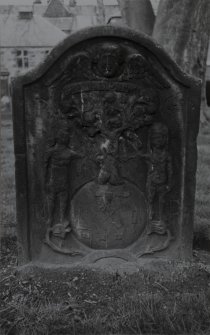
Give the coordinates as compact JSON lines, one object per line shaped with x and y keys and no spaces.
{"x":59,"y":15}
{"x":25,"y":40}
{"x":28,"y":33}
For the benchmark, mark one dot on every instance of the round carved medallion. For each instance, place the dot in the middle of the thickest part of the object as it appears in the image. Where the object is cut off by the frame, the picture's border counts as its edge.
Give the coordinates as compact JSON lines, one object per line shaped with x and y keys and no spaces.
{"x":108,"y":217}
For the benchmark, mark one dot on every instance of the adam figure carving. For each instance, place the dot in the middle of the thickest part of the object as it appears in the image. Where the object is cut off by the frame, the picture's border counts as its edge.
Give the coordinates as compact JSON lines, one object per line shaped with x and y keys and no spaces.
{"x":57,"y":163}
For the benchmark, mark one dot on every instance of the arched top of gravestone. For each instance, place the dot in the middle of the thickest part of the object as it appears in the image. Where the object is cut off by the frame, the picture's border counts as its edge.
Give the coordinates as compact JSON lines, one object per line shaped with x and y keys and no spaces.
{"x":98,"y":32}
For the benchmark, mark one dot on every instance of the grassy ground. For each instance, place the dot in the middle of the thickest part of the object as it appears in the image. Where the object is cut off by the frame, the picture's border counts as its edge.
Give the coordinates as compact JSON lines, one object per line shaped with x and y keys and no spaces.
{"x":172,"y":300}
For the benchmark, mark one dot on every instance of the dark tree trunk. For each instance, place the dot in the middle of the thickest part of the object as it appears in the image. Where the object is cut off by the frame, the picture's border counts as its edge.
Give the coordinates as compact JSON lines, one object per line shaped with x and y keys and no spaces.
{"x":182,"y":27}
{"x":138,"y":14}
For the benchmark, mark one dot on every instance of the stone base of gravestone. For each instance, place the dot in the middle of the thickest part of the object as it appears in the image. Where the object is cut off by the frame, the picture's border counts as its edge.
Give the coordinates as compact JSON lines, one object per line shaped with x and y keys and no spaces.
{"x":116,"y":265}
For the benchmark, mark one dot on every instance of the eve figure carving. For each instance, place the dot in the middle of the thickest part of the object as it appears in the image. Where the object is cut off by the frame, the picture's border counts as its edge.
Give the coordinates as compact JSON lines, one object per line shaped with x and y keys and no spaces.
{"x":159,"y":176}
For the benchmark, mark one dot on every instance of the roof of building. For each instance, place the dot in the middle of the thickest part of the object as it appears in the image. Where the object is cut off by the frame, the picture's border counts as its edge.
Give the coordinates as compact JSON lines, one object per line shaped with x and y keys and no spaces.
{"x":34,"y":32}
{"x":14,"y":9}
{"x":46,"y":30}
{"x":56,"y":8}
{"x":86,"y":2}
{"x":40,"y":8}
{"x":63,"y":23}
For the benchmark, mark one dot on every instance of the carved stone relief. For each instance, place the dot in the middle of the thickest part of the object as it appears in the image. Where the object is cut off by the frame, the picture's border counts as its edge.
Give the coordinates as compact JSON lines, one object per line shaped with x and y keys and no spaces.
{"x":108,"y":211}
{"x":104,"y":160}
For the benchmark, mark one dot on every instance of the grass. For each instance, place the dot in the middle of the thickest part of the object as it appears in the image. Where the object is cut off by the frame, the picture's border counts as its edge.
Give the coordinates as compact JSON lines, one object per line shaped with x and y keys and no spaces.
{"x":174,"y":300}
{"x":133,"y":316}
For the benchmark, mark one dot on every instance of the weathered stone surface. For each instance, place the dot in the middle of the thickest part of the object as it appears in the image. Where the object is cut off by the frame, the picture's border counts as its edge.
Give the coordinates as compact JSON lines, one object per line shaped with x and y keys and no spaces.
{"x":105,"y":143}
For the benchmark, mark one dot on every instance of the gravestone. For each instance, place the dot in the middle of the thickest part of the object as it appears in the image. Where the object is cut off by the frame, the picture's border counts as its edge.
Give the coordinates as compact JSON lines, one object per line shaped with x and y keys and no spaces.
{"x":105,"y":144}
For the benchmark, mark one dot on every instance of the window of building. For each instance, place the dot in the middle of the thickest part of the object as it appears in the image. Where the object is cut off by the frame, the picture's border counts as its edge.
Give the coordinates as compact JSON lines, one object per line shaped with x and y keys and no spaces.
{"x":22,"y":59}
{"x":25,"y":15}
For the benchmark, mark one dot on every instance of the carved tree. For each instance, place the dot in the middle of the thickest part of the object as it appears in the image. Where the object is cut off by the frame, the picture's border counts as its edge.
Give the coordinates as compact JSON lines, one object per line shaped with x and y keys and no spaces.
{"x":138,"y":14}
{"x":182,"y":27}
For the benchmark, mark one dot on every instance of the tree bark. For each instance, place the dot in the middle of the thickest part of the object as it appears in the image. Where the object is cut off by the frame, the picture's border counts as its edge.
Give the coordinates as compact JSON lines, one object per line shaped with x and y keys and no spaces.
{"x":101,"y":12}
{"x":182,"y":27}
{"x":138,"y":14}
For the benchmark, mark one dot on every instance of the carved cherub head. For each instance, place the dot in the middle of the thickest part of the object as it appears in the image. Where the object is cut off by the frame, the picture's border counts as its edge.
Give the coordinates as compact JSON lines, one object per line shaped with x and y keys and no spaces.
{"x":108,"y":60}
{"x":136,"y":66}
{"x":158,"y":136}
